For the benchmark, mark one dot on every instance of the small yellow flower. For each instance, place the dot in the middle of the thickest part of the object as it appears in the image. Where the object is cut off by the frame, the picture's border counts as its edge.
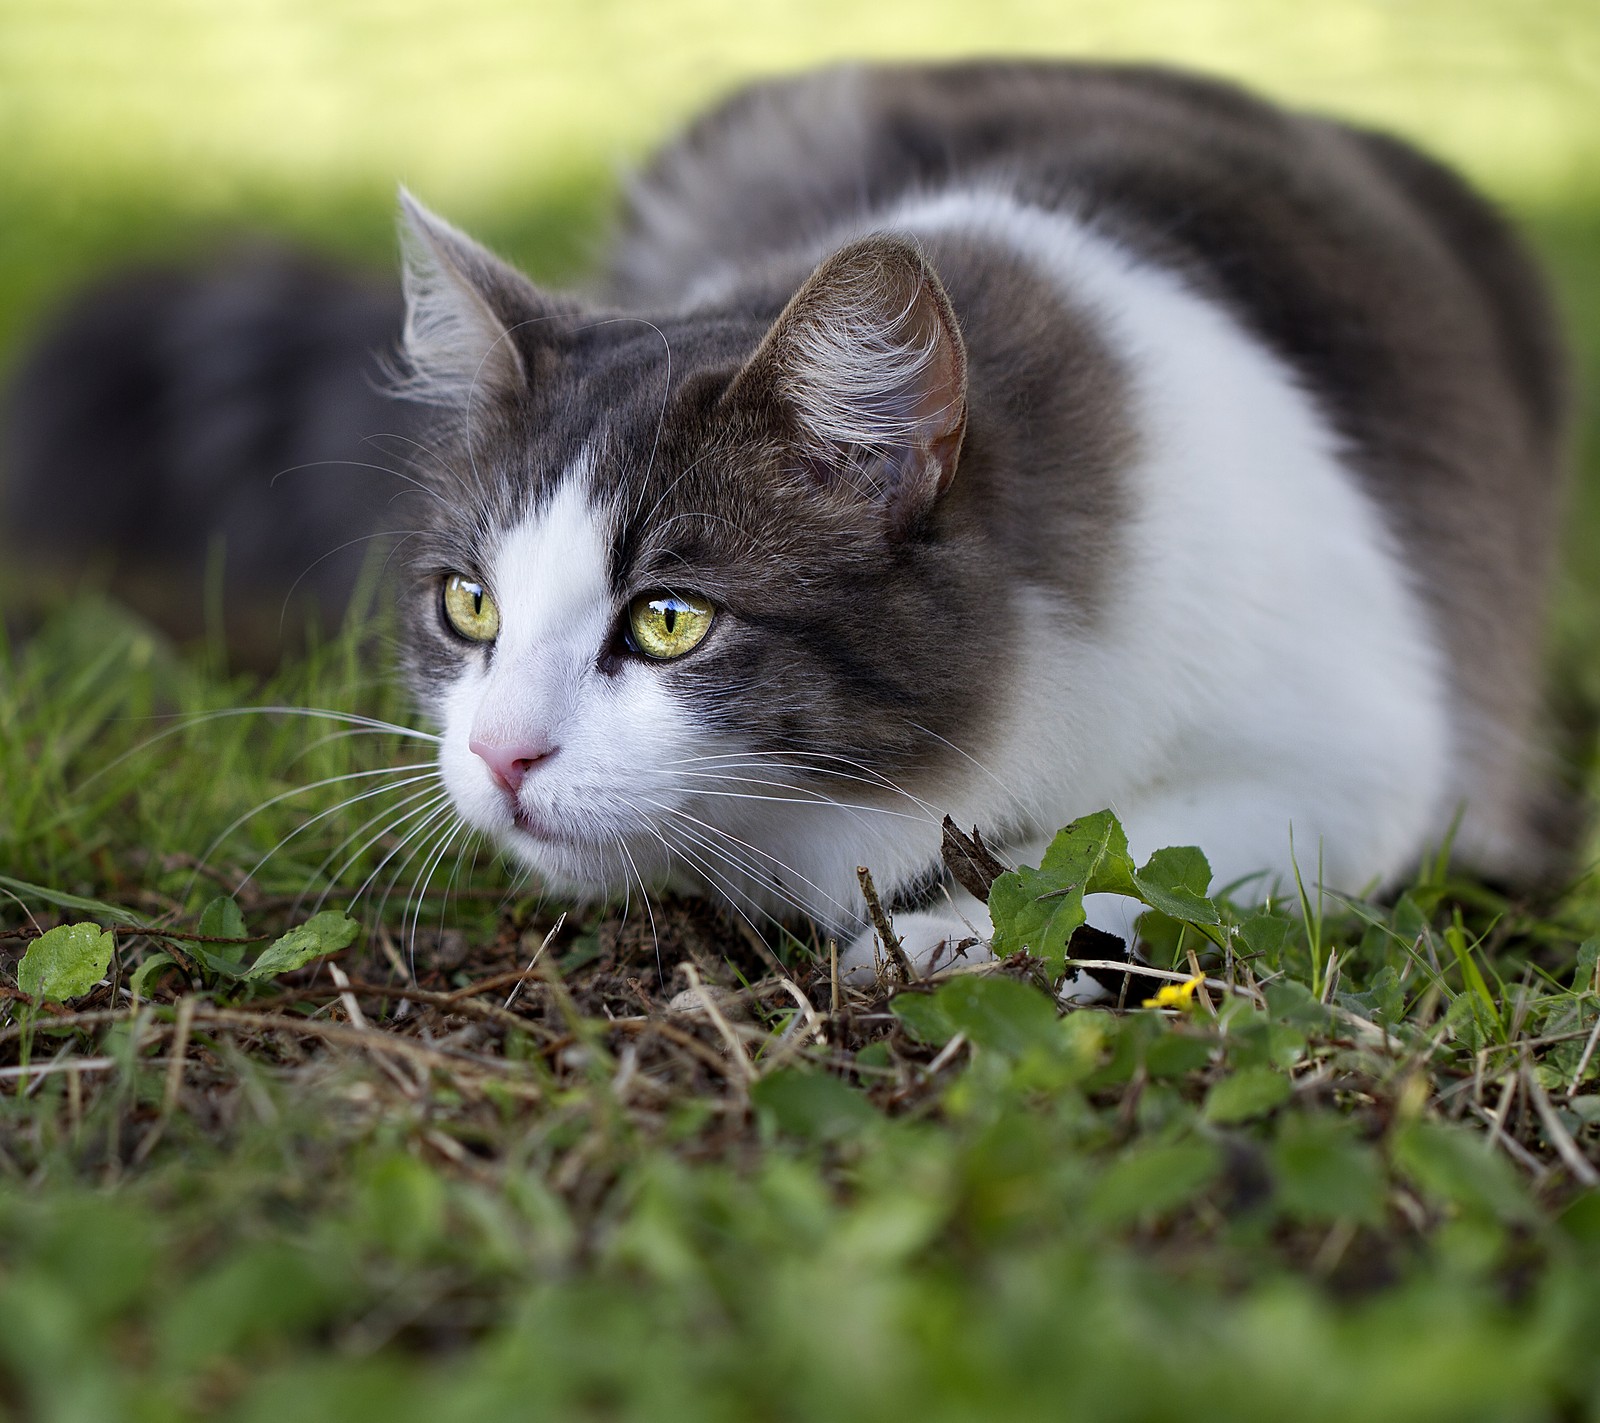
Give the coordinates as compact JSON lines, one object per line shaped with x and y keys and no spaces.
{"x":1176,"y":995}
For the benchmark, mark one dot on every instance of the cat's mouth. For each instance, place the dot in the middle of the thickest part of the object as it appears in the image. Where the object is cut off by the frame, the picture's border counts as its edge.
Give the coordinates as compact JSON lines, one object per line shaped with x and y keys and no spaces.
{"x":557,"y":831}
{"x":573,"y":854}
{"x":533,"y":824}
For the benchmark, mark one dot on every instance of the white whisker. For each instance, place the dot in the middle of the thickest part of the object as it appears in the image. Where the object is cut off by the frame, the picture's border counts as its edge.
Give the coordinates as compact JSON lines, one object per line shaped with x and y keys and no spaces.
{"x":753,"y":849}
{"x":438,"y":805}
{"x":321,"y":871}
{"x":345,"y":804}
{"x":420,"y":893}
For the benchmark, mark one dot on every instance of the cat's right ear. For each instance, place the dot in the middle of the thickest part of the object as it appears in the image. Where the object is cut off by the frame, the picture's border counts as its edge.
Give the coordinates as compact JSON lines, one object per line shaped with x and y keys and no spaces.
{"x":462,"y":306}
{"x":869,"y":368}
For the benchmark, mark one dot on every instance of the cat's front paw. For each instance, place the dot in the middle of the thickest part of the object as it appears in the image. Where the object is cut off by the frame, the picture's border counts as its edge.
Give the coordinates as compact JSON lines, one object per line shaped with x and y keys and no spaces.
{"x":930,"y":940}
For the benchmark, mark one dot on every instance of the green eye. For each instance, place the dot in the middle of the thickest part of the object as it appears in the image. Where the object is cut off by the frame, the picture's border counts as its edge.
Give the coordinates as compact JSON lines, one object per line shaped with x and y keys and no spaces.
{"x":470,"y":610}
{"x":664,"y":626}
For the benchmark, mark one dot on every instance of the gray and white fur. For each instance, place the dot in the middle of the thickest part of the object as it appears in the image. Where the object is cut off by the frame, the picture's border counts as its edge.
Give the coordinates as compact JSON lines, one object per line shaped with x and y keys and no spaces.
{"x":1046,"y":437}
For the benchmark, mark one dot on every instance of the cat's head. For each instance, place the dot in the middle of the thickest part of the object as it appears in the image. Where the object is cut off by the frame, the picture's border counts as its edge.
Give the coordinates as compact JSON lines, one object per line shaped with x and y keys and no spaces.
{"x":691,"y":582}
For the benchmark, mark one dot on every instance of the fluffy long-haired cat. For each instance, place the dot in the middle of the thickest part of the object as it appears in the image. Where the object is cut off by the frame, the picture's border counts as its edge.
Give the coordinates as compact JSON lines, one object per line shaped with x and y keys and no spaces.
{"x":1000,"y":440}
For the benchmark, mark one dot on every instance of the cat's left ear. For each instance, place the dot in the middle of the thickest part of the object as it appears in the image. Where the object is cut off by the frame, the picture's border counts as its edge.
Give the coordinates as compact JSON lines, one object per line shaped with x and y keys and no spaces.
{"x":462,"y":306}
{"x":868,"y":362}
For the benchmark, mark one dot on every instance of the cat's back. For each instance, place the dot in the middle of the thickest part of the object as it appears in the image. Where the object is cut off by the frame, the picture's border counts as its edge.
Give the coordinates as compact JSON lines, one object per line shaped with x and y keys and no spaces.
{"x":1180,"y":165}
{"x":1307,"y":227}
{"x":1388,"y":291}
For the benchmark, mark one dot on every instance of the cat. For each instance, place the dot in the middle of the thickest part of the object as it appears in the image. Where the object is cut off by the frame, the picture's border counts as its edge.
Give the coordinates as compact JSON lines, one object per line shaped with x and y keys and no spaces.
{"x":1005,"y":440}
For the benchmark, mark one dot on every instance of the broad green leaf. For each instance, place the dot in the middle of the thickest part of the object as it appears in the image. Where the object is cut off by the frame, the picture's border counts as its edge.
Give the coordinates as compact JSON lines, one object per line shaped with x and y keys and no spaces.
{"x":146,"y":970}
{"x":1152,"y":1180}
{"x":1289,"y":1001}
{"x":403,"y":1206}
{"x":923,"y":1016}
{"x":219,"y":965}
{"x":878,"y":1055}
{"x":1036,"y":911}
{"x":1586,"y":1108}
{"x":812,"y":1105}
{"x":1460,"y":1166}
{"x":324,"y":933}
{"x":1166,"y":940}
{"x":1585,"y":980}
{"x":1174,"y":1054}
{"x":1473,"y":1024}
{"x":999,"y":1013}
{"x":1384,"y":1001}
{"x":1129,"y":1039}
{"x":1263,"y":935}
{"x":1409,"y":919}
{"x":1175,"y":882}
{"x":1250,"y":1092}
{"x":1254,"y":1040}
{"x":265,"y":1292}
{"x":1092,"y":852}
{"x":1322,"y":1173}
{"x":66,"y":962}
{"x":1581,"y":1219}
{"x":102,"y":1250}
{"x":221,"y":919}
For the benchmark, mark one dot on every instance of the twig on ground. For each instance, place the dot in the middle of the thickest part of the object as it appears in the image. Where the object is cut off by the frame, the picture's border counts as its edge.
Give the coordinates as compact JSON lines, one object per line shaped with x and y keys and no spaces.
{"x":64,"y":1064}
{"x":883,"y":928}
{"x":709,"y":1003}
{"x":533,"y":963}
{"x":368,"y":1040}
{"x":352,"y":1009}
{"x":1557,"y":1134}
{"x":1583,"y":1062}
{"x":687,"y":1041}
{"x":1502,"y":1114}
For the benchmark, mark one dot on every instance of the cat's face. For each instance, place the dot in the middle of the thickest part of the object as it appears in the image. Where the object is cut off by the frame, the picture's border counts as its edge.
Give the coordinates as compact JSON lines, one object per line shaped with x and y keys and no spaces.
{"x":690,"y":587}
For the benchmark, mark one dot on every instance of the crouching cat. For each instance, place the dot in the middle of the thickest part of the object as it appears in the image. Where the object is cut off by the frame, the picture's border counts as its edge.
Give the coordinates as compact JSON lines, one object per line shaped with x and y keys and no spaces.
{"x":1000,"y":440}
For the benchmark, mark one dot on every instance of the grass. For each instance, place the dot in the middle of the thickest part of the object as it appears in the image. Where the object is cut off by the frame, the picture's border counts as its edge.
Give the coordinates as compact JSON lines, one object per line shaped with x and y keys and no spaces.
{"x":477,"y":1190}
{"x":508,"y":1163}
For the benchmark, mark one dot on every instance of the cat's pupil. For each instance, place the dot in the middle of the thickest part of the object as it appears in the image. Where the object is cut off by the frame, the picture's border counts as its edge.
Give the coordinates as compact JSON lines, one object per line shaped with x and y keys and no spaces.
{"x":477,"y":601}
{"x":669,"y":616}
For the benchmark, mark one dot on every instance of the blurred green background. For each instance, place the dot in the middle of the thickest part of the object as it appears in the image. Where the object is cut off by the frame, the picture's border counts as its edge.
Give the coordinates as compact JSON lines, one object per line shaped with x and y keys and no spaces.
{"x":138,"y":127}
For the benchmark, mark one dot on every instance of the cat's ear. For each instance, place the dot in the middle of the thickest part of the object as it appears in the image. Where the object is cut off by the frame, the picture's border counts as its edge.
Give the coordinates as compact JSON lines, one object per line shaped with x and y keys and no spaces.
{"x":869,"y":364}
{"x":462,"y":303}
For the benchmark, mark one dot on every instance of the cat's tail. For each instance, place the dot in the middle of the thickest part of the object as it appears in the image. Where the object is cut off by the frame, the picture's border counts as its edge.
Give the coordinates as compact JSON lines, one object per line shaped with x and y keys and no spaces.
{"x":232,"y":408}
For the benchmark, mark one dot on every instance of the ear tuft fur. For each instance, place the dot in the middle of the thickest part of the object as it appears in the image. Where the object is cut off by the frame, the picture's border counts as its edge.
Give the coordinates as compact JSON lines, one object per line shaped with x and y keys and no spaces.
{"x":870,"y":363}
{"x":461,"y":305}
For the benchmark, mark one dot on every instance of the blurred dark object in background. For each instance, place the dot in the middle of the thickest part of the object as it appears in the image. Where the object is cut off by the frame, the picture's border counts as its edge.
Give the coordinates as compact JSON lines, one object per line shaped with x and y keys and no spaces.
{"x":236,"y":401}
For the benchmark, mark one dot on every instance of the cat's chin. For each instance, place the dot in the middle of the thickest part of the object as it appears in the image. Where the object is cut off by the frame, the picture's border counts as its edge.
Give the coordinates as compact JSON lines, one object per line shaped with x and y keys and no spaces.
{"x":571,"y":865}
{"x":536,"y":827}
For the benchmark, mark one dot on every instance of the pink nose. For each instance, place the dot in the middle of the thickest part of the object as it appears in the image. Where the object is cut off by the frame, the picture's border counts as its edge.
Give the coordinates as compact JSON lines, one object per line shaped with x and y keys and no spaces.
{"x":511,"y":764}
